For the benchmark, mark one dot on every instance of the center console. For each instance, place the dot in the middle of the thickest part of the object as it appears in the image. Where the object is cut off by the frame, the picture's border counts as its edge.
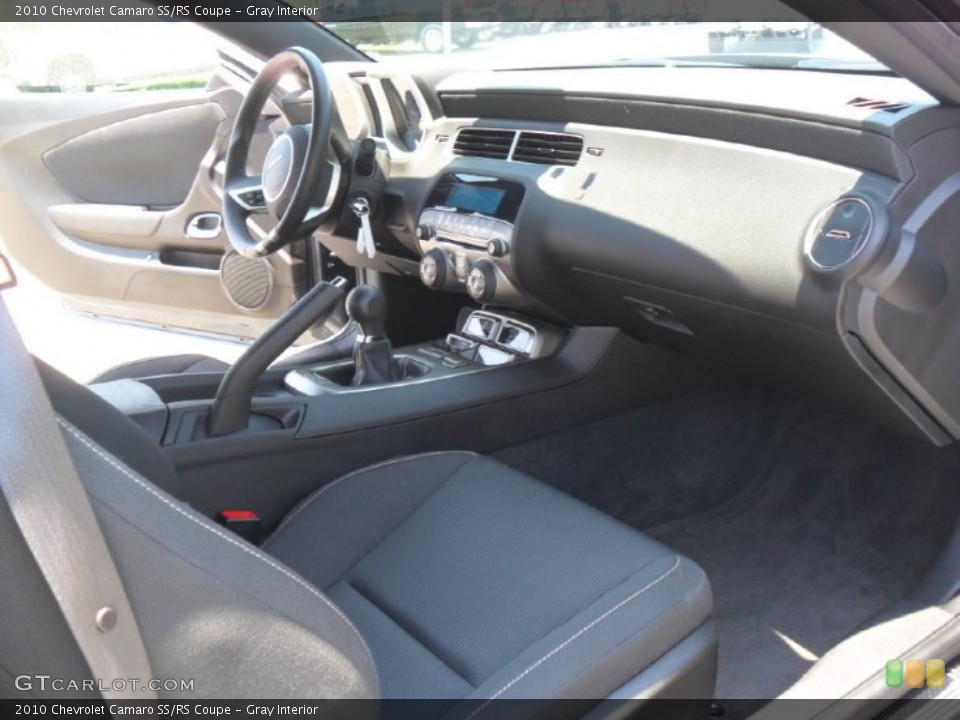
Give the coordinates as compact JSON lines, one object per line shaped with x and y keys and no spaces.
{"x":483,"y":339}
{"x":466,"y":233}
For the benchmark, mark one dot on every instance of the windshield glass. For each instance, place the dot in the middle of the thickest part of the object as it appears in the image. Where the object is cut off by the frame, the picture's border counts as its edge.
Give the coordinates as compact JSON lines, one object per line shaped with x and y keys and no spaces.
{"x":679,"y":38}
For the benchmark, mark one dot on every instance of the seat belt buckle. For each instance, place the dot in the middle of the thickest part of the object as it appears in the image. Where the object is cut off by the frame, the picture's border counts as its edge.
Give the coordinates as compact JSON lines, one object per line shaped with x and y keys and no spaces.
{"x":244,"y":523}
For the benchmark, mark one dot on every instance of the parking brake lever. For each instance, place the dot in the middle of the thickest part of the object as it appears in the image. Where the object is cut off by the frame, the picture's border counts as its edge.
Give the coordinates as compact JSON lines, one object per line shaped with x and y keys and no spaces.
{"x":231,"y":407}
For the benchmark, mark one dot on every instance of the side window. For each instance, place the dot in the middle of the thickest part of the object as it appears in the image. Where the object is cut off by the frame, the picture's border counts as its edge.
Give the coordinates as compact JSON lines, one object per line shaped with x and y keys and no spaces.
{"x":55,"y":57}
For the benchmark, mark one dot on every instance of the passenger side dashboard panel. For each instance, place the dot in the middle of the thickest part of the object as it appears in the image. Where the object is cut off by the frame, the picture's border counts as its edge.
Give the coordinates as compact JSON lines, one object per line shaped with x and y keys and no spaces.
{"x":809,"y":243}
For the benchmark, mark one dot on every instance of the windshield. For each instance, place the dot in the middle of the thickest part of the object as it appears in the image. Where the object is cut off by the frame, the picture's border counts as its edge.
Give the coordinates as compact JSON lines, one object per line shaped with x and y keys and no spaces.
{"x":498,"y":44}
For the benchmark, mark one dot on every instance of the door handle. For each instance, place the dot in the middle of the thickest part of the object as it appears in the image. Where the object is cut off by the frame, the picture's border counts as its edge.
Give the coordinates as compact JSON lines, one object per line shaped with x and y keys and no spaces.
{"x":205,"y":226}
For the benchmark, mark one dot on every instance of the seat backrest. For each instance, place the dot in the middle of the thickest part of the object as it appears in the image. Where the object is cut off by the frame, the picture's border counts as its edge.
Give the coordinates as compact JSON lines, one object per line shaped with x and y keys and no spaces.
{"x":213,"y":610}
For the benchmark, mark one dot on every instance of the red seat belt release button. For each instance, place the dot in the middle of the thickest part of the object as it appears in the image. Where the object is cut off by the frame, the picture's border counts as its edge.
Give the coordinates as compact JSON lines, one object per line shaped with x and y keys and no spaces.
{"x":244,"y":523}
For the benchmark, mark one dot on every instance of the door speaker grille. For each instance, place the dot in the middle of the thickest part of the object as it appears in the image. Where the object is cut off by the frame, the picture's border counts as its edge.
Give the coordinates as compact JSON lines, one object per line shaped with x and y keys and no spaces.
{"x":247,"y":281}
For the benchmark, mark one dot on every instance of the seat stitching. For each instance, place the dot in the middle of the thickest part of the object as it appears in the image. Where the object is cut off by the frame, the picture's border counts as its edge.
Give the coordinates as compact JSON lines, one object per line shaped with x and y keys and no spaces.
{"x":576,"y":635}
{"x":247,"y":549}
{"x":393,"y":461}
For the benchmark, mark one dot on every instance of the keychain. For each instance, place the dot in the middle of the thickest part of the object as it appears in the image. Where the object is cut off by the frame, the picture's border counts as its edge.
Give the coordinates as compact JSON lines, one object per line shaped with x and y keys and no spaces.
{"x":365,"y":245}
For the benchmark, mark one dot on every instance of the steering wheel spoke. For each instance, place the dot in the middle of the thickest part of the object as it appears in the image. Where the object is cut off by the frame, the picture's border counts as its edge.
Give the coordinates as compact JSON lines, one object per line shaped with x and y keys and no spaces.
{"x":319,"y":211}
{"x":248,"y":194}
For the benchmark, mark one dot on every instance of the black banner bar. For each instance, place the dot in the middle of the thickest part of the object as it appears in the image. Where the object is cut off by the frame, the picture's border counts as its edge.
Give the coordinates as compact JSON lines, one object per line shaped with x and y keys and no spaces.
{"x":499,"y":709}
{"x":520,"y":11}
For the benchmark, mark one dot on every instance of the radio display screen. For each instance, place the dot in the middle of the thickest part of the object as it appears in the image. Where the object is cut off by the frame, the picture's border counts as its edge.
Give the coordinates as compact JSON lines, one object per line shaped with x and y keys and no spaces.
{"x":475,"y":198}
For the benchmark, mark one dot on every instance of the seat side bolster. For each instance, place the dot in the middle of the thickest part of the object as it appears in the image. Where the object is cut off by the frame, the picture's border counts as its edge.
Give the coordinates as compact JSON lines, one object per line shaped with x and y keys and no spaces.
{"x":210,"y":605}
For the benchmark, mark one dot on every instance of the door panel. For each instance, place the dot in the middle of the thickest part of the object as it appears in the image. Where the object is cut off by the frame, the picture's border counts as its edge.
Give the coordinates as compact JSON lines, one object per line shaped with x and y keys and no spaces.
{"x":169,"y":143}
{"x":98,"y":193}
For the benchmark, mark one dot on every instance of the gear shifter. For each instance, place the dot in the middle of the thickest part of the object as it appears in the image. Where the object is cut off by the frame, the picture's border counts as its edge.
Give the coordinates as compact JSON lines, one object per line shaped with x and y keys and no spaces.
{"x":372,"y":353}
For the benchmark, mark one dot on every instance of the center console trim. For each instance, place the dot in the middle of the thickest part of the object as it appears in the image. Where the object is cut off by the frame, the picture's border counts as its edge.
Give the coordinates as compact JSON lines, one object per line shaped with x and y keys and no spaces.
{"x":310,"y":381}
{"x":386,"y":405}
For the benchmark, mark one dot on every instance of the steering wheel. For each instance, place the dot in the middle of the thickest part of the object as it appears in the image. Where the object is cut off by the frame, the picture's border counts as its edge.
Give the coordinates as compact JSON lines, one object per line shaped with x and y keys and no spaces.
{"x":298,"y":183}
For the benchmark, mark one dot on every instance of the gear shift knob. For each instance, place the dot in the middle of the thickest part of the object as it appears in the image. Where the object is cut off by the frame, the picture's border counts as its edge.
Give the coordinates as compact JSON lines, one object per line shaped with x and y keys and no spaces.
{"x":367,"y":307}
{"x":372,"y":354}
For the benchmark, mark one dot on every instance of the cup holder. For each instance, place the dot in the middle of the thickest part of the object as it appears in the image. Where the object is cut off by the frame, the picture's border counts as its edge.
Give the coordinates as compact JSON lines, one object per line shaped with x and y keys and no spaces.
{"x":407,"y":368}
{"x":404,"y":368}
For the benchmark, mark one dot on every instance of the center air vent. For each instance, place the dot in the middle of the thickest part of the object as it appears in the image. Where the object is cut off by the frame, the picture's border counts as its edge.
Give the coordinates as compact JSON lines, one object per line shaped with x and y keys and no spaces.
{"x":528,"y":146}
{"x":545,"y":148}
{"x":483,"y":142}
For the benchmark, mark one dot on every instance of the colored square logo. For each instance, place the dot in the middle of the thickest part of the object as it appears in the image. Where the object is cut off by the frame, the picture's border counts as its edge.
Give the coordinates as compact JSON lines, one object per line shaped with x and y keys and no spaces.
{"x":914,"y":675}
{"x":936,"y":673}
{"x":894,"y":673}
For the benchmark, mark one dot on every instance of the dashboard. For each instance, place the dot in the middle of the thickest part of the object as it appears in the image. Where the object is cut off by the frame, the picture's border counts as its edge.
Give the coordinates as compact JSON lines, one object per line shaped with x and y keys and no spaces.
{"x":801,"y":229}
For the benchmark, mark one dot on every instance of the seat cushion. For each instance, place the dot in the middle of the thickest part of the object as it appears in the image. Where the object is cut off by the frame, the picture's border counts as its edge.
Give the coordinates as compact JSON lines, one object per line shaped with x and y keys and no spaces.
{"x":471,"y":580}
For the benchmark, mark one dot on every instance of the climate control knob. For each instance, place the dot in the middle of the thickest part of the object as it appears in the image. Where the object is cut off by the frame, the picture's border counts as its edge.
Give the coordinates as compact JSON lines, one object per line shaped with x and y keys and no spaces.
{"x":433,"y":269}
{"x":425,"y":232}
{"x":497,"y":248}
{"x":482,"y":281}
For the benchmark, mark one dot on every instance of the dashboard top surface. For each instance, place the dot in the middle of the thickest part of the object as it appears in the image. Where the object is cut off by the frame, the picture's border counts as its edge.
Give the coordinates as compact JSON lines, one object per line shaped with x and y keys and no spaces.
{"x":798,"y":92}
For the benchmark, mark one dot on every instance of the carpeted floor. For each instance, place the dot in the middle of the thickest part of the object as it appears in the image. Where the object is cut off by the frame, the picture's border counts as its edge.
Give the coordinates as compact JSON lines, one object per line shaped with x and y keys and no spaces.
{"x":807,"y":521}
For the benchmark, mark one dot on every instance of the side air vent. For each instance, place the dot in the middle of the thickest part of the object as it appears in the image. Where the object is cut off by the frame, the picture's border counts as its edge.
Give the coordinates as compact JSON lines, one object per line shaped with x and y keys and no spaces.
{"x":839,"y":234}
{"x":545,"y":148}
{"x":484,"y":142}
{"x":884,"y":105}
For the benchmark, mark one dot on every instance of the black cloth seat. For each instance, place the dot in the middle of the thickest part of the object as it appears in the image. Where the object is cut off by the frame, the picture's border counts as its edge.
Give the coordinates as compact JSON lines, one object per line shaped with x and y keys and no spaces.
{"x":444,"y":576}
{"x":471,"y":580}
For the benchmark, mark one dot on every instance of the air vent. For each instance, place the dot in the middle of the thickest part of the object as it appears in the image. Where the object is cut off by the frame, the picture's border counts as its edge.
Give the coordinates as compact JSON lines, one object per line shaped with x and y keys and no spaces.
{"x":884,"y":105}
{"x":484,"y":142}
{"x":545,"y":148}
{"x":528,"y":146}
{"x":841,"y":232}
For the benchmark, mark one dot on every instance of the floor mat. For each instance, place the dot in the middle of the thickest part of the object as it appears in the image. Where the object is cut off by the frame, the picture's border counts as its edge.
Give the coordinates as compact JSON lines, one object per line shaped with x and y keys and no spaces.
{"x":807,"y":521}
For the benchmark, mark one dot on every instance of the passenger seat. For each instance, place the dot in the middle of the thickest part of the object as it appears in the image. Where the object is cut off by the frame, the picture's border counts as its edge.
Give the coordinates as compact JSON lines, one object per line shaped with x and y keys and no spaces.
{"x":444,"y":576}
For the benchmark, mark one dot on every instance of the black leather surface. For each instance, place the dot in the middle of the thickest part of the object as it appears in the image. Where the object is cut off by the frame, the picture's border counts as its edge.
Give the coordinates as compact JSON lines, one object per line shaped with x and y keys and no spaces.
{"x":154,"y":367}
{"x":190,"y":364}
